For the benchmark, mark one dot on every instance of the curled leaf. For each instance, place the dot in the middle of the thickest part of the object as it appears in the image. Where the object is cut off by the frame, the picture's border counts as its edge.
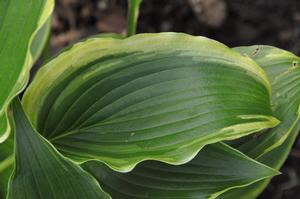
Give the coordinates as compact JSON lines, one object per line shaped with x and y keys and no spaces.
{"x":151,"y":96}
{"x":272,"y":147}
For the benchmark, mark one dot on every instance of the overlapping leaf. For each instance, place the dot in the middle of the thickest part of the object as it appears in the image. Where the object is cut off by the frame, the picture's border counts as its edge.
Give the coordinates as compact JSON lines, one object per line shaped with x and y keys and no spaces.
{"x":40,"y":40}
{"x":216,"y":169}
{"x":6,"y":164}
{"x":274,"y":158}
{"x":284,"y":74}
{"x":151,"y":96}
{"x":42,"y":172}
{"x":283,"y":69}
{"x":19,"y":22}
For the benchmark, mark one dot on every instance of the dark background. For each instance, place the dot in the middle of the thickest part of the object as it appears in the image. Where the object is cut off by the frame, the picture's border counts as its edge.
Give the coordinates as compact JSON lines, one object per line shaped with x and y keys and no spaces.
{"x":232,"y":22}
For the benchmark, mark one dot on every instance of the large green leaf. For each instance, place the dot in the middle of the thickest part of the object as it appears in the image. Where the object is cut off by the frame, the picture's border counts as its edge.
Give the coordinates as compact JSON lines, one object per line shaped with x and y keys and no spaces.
{"x":19,"y":22}
{"x":283,"y":70}
{"x":151,"y":96}
{"x":216,"y":169}
{"x":42,"y":172}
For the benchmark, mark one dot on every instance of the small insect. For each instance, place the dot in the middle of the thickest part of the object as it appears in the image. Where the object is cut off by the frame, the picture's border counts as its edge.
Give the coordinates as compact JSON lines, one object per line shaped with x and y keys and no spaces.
{"x":295,"y":64}
{"x":256,"y":51}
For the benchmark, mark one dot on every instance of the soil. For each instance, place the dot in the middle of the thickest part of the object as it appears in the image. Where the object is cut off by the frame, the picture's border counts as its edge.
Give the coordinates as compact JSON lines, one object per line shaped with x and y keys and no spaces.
{"x":232,"y":22}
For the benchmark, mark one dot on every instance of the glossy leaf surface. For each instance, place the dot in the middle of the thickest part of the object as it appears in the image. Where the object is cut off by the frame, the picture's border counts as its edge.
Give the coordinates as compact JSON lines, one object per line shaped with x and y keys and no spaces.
{"x":151,"y":96}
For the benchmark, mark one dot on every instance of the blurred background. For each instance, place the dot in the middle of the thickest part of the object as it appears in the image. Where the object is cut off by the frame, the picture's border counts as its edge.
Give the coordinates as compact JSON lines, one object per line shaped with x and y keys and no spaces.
{"x":232,"y":22}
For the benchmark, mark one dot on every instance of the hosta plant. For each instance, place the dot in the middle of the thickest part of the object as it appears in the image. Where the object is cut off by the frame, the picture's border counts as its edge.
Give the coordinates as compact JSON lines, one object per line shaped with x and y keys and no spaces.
{"x":160,"y":116}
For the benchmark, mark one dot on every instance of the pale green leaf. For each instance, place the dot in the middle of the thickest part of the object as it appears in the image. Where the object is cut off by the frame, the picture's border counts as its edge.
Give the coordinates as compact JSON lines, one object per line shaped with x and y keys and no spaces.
{"x":151,"y":96}
{"x":4,"y":126}
{"x":19,"y":22}
{"x":42,"y":172}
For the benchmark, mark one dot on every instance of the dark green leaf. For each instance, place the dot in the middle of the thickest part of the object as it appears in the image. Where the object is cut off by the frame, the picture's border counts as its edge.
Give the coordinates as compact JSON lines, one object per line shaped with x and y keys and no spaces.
{"x":42,"y":172}
{"x":216,"y":169}
{"x":274,"y":158}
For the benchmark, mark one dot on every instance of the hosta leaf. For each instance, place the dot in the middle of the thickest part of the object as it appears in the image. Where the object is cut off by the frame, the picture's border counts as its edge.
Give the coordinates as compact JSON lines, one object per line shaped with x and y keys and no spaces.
{"x":4,"y":126}
{"x":151,"y":96}
{"x":42,"y":172}
{"x":284,"y":73}
{"x":19,"y":22}
{"x":216,"y":169}
{"x":274,"y":158}
{"x":6,"y":164}
{"x":40,"y":40}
